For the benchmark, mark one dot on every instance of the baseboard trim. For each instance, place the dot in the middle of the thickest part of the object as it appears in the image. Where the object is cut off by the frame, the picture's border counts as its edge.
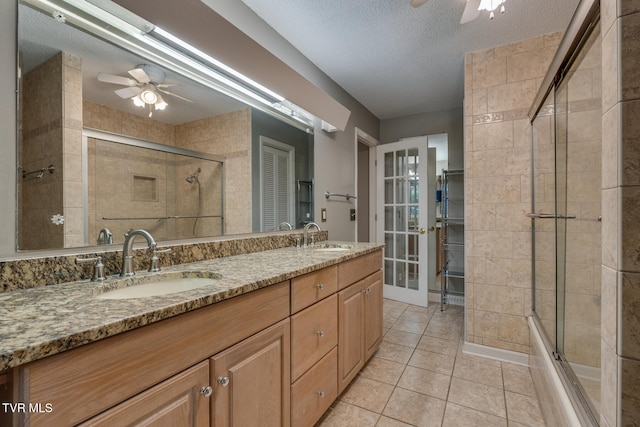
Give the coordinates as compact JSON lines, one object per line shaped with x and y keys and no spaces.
{"x":496,"y":353}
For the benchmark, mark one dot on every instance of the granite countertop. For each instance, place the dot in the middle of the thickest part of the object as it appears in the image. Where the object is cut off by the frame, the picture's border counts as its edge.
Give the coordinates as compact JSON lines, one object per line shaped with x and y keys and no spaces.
{"x":40,"y":322}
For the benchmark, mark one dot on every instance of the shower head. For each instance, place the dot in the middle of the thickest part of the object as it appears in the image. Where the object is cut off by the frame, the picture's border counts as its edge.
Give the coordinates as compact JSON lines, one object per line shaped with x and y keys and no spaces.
{"x":194,"y":176}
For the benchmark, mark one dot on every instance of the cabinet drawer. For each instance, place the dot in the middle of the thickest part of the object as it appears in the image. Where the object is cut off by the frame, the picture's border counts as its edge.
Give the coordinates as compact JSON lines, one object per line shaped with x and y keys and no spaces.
{"x":312,"y":287}
{"x":356,"y":269}
{"x":314,"y":392}
{"x":314,"y":331}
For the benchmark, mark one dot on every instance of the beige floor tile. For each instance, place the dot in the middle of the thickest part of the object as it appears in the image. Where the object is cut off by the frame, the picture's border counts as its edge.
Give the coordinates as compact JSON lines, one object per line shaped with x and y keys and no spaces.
{"x":410,"y":326}
{"x":390,"y":422}
{"x":443,"y":331}
{"x":478,"y":372}
{"x":524,"y":409}
{"x":415,"y":408}
{"x":368,"y":394}
{"x":438,"y":345}
{"x":441,"y":363}
{"x":383,"y":370}
{"x":518,"y":379}
{"x":394,"y":352}
{"x":459,"y":416}
{"x":346,"y":415}
{"x":426,"y":382}
{"x":478,"y":396}
{"x":416,"y":316}
{"x":407,"y":339}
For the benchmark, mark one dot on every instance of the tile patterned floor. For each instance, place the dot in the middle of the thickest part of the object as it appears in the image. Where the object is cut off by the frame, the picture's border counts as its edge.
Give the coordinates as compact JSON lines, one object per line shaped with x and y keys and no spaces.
{"x":420,"y":377}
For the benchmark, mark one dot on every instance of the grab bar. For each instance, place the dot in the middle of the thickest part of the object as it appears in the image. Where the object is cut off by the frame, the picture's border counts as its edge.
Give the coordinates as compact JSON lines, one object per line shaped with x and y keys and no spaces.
{"x":549,"y":216}
{"x":346,"y":196}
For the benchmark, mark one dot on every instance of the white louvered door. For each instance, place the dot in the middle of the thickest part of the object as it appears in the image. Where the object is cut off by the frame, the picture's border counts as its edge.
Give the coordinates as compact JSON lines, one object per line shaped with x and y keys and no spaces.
{"x":277,"y":188}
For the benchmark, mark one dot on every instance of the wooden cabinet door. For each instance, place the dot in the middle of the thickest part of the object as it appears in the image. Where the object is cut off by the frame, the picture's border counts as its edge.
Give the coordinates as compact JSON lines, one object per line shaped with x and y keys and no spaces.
{"x":372,"y":314}
{"x":251,"y":381}
{"x":350,"y":333}
{"x":178,"y":401}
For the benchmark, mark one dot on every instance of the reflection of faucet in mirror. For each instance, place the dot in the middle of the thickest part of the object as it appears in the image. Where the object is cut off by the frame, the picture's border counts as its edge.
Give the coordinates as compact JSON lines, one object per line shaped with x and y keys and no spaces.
{"x":127,"y":258}
{"x":285,"y":226}
{"x":306,"y":231}
{"x":105,"y":237}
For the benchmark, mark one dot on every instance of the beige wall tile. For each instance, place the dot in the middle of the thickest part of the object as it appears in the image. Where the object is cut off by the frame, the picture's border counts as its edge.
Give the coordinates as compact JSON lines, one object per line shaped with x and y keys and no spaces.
{"x":610,"y":206}
{"x":629,"y":57}
{"x":630,"y":227}
{"x":511,"y":96}
{"x":630,"y":392}
{"x":530,"y":64}
{"x":500,"y":299}
{"x":629,"y":147}
{"x":610,"y":67}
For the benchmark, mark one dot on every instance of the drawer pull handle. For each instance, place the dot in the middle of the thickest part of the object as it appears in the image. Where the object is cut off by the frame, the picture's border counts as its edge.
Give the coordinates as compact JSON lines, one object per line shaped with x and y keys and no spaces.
{"x":320,"y":334}
{"x":223,"y":381}
{"x":206,"y":391}
{"x":320,"y":286}
{"x":320,"y":393}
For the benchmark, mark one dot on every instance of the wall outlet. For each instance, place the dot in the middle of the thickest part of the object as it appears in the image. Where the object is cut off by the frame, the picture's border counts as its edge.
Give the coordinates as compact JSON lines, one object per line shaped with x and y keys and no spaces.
{"x":323,"y":214}
{"x":353,"y":214}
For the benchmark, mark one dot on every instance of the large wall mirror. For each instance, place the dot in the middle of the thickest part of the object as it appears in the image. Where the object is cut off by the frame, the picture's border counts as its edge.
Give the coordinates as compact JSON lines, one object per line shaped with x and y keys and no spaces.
{"x":111,"y":140}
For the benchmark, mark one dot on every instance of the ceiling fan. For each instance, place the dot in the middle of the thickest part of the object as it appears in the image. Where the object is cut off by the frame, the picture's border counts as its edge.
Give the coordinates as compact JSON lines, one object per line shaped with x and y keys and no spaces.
{"x":472,"y":8}
{"x":144,"y":88}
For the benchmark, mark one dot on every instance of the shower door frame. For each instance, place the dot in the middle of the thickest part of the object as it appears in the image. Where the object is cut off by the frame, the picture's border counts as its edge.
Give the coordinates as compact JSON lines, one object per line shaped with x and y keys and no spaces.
{"x":585,"y":19}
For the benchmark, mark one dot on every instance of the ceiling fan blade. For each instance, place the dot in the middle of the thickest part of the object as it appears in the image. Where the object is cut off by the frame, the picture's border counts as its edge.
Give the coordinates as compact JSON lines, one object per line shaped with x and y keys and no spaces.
{"x":118,"y":80}
{"x":418,"y":3}
{"x":173,"y":94}
{"x":471,"y":11}
{"x":163,"y":85}
{"x":128,"y":92}
{"x":140,"y":75}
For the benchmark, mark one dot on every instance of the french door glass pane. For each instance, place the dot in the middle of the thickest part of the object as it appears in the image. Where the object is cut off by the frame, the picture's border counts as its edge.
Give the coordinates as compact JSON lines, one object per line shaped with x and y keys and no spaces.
{"x":401,"y":218}
{"x":388,"y":165}
{"x":401,"y":276}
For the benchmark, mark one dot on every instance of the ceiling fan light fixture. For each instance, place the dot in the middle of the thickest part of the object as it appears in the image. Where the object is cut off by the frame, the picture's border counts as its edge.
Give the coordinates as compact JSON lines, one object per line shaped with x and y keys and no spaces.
{"x":160,"y":103}
{"x":137,"y":101}
{"x":148,"y":96}
{"x":491,"y":6}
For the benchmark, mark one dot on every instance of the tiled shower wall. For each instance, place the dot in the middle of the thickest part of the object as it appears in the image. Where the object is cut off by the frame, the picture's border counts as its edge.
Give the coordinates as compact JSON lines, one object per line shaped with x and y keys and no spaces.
{"x":500,"y":85}
{"x":621,"y":207}
{"x":51,"y":126}
{"x":226,"y":135}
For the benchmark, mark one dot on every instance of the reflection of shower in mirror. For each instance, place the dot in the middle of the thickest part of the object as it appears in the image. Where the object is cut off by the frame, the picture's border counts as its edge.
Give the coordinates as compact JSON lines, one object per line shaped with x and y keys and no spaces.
{"x":194,"y":176}
{"x":191,"y":179}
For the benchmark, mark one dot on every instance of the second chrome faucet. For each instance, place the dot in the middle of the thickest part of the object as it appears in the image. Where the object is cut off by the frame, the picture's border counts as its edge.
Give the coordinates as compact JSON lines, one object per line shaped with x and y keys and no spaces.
{"x":127,"y":257}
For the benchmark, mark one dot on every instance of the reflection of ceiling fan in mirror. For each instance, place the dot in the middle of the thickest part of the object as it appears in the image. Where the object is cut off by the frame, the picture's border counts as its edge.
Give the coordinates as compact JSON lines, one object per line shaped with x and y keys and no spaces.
{"x":144,"y":88}
{"x":472,"y":8}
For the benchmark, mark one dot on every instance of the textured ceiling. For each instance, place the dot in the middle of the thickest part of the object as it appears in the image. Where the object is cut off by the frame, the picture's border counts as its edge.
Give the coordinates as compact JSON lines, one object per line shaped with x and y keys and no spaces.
{"x":398,"y":60}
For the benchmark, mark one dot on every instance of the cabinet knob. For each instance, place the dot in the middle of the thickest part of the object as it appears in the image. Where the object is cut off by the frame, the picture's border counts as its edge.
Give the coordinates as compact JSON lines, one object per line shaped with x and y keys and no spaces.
{"x":223,"y":381}
{"x":320,"y":286}
{"x":206,"y":391}
{"x":320,"y":393}
{"x":320,"y":334}
{"x":367,"y":291}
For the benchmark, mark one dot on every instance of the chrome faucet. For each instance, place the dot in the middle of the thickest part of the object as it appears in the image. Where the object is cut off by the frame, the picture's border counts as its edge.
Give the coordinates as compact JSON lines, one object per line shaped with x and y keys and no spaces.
{"x":105,"y":237}
{"x":306,"y":232}
{"x":127,"y":258}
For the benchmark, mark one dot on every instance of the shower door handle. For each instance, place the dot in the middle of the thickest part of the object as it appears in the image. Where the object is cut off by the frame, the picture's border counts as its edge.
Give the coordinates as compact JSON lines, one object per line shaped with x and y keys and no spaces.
{"x":549,"y":216}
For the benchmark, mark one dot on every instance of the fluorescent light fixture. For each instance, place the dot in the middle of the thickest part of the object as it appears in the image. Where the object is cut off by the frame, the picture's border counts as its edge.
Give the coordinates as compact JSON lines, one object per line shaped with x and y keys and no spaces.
{"x":123,"y":28}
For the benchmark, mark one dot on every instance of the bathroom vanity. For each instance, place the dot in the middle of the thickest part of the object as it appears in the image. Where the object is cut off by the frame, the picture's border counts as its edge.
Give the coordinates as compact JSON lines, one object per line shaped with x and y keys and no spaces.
{"x":273,"y":342}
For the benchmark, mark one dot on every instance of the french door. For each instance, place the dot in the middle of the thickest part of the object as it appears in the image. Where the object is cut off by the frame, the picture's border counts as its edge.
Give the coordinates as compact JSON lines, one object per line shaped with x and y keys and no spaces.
{"x":405,"y":219}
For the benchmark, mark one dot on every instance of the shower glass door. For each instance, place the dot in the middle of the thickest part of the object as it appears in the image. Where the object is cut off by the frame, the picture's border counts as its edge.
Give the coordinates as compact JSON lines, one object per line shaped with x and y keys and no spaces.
{"x":566,"y":219}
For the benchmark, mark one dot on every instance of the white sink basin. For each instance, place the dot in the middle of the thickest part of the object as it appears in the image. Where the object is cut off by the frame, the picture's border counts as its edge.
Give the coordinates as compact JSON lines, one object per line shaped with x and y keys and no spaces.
{"x":150,"y":286}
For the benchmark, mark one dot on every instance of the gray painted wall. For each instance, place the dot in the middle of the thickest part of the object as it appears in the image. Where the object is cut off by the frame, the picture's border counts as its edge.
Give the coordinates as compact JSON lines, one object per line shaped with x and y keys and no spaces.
{"x":8,"y":14}
{"x":445,"y":121}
